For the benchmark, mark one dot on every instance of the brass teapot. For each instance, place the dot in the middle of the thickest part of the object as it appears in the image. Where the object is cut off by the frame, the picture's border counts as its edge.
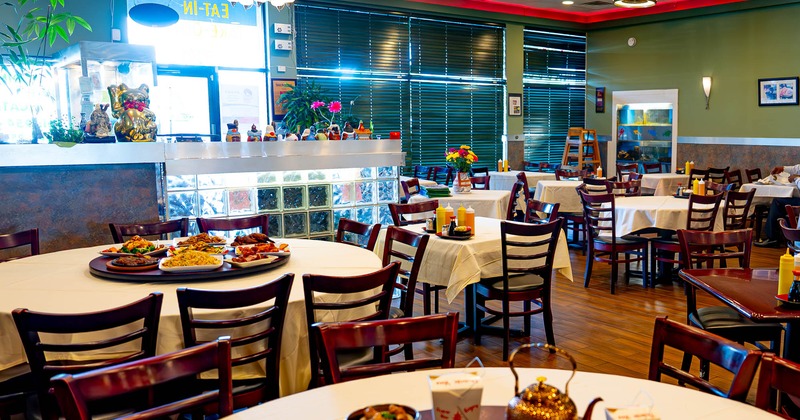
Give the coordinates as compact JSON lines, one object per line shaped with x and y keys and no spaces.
{"x":542,"y":401}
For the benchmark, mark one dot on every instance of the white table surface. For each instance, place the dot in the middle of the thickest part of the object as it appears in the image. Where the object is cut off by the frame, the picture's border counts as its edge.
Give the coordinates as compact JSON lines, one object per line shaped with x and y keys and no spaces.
{"x":505,"y":180}
{"x":61,"y":282}
{"x":765,"y":193}
{"x":486,"y":203}
{"x":456,"y":264}
{"x":422,"y":181}
{"x":562,"y":192}
{"x":663,"y":212}
{"x":412,"y":389}
{"x":664,"y":184}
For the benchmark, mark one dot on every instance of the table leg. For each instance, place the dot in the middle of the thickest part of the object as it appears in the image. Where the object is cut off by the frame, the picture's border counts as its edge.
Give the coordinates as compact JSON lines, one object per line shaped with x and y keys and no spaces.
{"x":791,"y":342}
{"x":467,"y":327}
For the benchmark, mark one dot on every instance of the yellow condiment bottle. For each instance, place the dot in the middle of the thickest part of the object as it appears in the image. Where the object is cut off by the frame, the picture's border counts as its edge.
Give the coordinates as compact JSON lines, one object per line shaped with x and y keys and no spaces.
{"x":686,"y":168}
{"x":785,"y":277}
{"x":462,"y":216}
{"x":469,"y":218}
{"x":505,"y":165}
{"x":695,"y":186}
{"x":599,"y":171}
{"x":448,"y":214}
{"x":440,"y":217}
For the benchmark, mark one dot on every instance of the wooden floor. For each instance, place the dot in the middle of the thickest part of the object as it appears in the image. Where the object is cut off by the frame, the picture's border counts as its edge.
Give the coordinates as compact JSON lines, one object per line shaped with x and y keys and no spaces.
{"x":605,"y":333}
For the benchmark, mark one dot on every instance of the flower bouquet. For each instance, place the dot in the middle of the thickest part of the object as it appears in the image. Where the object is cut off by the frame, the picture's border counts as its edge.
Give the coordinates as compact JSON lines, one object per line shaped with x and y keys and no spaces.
{"x":462,"y":159}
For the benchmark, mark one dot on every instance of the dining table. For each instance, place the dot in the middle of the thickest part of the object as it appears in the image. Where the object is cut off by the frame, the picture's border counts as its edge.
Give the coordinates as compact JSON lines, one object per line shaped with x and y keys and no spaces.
{"x":422,"y":181}
{"x":666,"y":213}
{"x":506,"y":180}
{"x":562,"y":191}
{"x":457,"y":263}
{"x":752,"y":293}
{"x":663,"y":183}
{"x":486,"y":203}
{"x":61,"y":282}
{"x":765,"y":193}
{"x":666,"y":401}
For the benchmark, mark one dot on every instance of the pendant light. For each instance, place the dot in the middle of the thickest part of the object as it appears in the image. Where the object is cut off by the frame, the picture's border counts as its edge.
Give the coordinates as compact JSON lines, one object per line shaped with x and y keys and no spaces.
{"x":636,"y":4}
{"x":153,"y":14}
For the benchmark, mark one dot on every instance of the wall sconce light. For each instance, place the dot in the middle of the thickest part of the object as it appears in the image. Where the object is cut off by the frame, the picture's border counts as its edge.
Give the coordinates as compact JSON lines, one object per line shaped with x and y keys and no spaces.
{"x":707,"y":88}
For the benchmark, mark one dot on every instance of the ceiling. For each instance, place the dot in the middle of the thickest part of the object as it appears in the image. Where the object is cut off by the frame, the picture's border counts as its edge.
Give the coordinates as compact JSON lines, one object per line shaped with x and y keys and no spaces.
{"x":582,"y":11}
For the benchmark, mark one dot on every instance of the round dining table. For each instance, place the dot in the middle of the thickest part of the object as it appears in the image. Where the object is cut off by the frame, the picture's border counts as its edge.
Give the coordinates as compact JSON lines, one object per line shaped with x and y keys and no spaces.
{"x":61,"y":282}
{"x":412,"y":389}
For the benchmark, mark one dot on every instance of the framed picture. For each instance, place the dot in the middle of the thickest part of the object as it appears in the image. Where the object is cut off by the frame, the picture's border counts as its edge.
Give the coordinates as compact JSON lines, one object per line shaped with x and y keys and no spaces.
{"x":600,"y":100}
{"x":279,"y":87}
{"x":780,"y":91}
{"x":514,"y":104}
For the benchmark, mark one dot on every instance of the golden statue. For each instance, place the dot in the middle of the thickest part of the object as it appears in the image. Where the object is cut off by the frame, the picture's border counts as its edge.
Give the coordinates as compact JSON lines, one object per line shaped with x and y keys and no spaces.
{"x":135,"y":121}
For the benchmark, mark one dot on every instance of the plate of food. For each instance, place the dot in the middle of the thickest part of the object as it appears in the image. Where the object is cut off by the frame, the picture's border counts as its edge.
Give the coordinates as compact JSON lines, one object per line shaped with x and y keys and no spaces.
{"x":200,"y":238}
{"x":136,"y":245}
{"x":251,"y":260}
{"x":191,"y":261}
{"x":784,"y":298}
{"x":133,"y":263}
{"x":385,"y":411}
{"x":199,"y":246}
{"x":270,"y":248}
{"x":251,"y":239}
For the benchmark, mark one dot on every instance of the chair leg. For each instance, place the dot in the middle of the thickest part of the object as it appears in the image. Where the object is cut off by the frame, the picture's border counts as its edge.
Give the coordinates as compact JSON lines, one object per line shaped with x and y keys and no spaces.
{"x":614,"y":272}
{"x":426,"y":299}
{"x":548,"y":325}
{"x":588,"y":273}
{"x":526,"y":320}
{"x":436,"y":301}
{"x":646,"y":267}
{"x":506,"y":330}
{"x":653,"y":267}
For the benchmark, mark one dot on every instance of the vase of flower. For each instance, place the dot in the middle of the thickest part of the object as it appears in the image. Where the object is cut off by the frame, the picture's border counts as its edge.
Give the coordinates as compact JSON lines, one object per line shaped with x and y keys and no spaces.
{"x":462,"y":183}
{"x":461,"y":159}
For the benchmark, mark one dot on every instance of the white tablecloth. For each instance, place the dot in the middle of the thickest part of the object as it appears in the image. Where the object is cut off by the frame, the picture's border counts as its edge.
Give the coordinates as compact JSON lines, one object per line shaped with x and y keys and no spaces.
{"x":663,"y":212}
{"x":560,"y":192}
{"x":486,"y":203}
{"x":61,"y":282}
{"x":765,"y":193}
{"x":664,"y":184}
{"x":505,"y":180}
{"x":412,"y":389}
{"x":422,"y":181}
{"x":456,"y":264}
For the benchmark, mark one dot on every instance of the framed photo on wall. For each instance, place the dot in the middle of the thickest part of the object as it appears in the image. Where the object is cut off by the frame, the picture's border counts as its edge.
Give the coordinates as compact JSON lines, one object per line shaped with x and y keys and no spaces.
{"x":514,"y":104}
{"x":600,"y":100}
{"x":777,"y":91}
{"x":279,"y":87}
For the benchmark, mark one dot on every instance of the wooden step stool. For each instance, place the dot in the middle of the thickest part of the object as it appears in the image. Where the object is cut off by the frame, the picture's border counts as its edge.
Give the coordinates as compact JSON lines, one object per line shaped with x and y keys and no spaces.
{"x":581,"y":149}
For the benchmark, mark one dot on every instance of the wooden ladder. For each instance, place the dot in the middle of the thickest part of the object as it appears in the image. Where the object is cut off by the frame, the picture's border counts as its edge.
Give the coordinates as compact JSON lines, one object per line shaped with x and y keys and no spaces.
{"x":581,"y":149}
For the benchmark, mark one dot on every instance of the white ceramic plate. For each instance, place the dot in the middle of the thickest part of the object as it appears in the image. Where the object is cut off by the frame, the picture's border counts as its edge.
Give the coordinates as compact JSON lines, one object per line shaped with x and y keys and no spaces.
{"x":176,"y":241}
{"x":157,"y":251}
{"x":269,"y":259}
{"x":190,"y":267}
{"x":278,"y":253}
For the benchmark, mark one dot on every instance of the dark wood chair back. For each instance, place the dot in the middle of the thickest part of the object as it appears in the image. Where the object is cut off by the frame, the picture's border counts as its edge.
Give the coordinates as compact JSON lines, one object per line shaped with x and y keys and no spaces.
{"x":734,"y":178}
{"x":328,"y":296}
{"x":76,"y":393}
{"x":26,"y":237}
{"x":737,"y":208}
{"x":652,"y":168}
{"x":518,"y":191}
{"x":717,"y":187}
{"x":792,"y":235}
{"x":703,"y":211}
{"x":599,"y":215}
{"x":539,"y":167}
{"x":597,"y":186}
{"x":410,"y":187}
{"x":792,"y":214}
{"x":343,"y":336}
{"x":254,"y":327}
{"x":421,"y":171}
{"x":697,"y":174}
{"x":479,"y":171}
{"x":630,"y":188}
{"x":121,"y":231}
{"x":717,"y":174}
{"x":480,"y":182}
{"x":778,"y":377}
{"x":443,"y":175}
{"x":238,"y":224}
{"x":421,"y":210}
{"x":753,"y":175}
{"x":634,"y":176}
{"x":563,"y":173}
{"x":731,"y":356}
{"x":536,"y":207}
{"x":409,"y":255}
{"x":359,"y":234}
{"x":49,"y":356}
{"x":624,"y":169}
{"x":702,"y":248}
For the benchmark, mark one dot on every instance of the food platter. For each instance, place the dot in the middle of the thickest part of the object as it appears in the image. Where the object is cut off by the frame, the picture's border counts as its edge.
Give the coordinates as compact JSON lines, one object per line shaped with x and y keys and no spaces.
{"x":190,"y":268}
{"x":178,"y":242}
{"x":112,"y":265}
{"x":271,"y":245}
{"x":454,"y":237}
{"x":99,"y":268}
{"x":153,"y":253}
{"x":268,"y":259}
{"x":359,"y":414}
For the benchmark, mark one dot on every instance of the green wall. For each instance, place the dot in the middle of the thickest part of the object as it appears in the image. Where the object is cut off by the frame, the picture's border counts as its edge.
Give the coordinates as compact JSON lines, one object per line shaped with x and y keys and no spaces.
{"x":735,"y":49}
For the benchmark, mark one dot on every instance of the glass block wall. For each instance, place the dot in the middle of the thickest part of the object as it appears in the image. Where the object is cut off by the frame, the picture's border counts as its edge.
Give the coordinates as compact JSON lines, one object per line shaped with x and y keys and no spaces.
{"x":301,"y":204}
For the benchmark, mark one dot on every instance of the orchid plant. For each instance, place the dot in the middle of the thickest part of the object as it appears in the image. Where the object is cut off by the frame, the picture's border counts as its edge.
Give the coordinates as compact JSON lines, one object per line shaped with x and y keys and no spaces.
{"x":461,"y":158}
{"x":334,"y":107}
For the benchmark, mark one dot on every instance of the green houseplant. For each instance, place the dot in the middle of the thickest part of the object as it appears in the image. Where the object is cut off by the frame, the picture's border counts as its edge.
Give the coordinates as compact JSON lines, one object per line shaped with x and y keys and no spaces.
{"x":63,"y":132}
{"x":298,"y":105}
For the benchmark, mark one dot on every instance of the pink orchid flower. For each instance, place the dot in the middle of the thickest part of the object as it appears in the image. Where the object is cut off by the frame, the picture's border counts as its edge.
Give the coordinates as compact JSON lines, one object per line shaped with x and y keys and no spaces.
{"x":334,"y":106}
{"x":318,"y":104}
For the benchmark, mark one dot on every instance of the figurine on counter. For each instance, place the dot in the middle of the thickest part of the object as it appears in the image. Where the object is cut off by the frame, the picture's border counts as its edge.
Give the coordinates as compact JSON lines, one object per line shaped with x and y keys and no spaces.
{"x":135,"y":121}
{"x":254,"y":134}
{"x":333,"y":132}
{"x":269,"y":133}
{"x":291,"y":137}
{"x":361,"y":132}
{"x":99,"y":124}
{"x":348,"y":132}
{"x":306,"y":134}
{"x":321,"y":134}
{"x":233,"y":132}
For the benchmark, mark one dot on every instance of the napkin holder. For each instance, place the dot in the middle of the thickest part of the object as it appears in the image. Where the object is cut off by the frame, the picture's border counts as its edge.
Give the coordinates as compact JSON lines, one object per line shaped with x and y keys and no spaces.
{"x":457,"y":395}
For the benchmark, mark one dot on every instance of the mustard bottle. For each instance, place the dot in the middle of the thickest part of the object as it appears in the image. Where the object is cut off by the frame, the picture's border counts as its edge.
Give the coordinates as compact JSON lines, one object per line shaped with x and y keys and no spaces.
{"x":469,"y":218}
{"x":505,"y":165}
{"x":785,"y":277}
{"x":440,"y":217}
{"x":695,"y":186}
{"x":462,"y":215}
{"x":686,"y":168}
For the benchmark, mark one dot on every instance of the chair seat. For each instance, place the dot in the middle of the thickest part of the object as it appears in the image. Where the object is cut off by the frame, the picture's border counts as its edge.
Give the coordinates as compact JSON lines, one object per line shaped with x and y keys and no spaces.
{"x":395,"y":312}
{"x":516,"y":283}
{"x":673,"y":240}
{"x":623,"y":240}
{"x":725,"y":321}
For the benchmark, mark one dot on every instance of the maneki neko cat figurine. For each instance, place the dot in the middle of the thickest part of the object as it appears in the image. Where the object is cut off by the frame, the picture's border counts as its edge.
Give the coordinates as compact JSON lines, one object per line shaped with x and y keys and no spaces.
{"x":135,"y":121}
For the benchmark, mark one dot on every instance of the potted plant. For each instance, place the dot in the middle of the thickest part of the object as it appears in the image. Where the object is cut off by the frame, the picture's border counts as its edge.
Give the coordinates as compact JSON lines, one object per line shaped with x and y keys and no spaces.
{"x":298,"y":104}
{"x":64,"y":134}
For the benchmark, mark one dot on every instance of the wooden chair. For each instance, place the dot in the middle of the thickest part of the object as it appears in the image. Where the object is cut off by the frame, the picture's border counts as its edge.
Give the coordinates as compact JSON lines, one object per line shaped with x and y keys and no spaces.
{"x":26,"y":237}
{"x":734,"y":178}
{"x":652,"y":168}
{"x":253,"y":326}
{"x":760,"y":211}
{"x":792,"y":236}
{"x":666,"y":250}
{"x":120,"y":231}
{"x":76,"y":393}
{"x":409,"y":254}
{"x":624,"y":169}
{"x":421,"y":171}
{"x":631,"y":188}
{"x":704,"y":248}
{"x":539,"y":167}
{"x":535,"y":207}
{"x":634,"y":176}
{"x":604,"y":246}
{"x":697,"y":174}
{"x":778,"y":378}
{"x":563,"y":173}
{"x":480,"y":182}
{"x":519,"y":192}
{"x":717,"y":187}
{"x":737,"y":207}
{"x":49,"y":356}
{"x":338,"y":337}
{"x":479,"y":171}
{"x":422,"y":209}
{"x":327,"y":300}
{"x":717,"y":174}
{"x":597,"y":186}
{"x":792,"y":215}
{"x":753,"y":175}
{"x":358,"y":234}
{"x":443,"y":175}
{"x":259,"y":221}
{"x":527,"y":251}
{"x":410,"y":187}
{"x":727,"y":354}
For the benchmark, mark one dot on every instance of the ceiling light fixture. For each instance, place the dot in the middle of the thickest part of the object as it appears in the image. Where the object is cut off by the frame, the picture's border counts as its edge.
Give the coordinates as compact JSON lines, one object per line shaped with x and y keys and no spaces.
{"x":279,"y":4}
{"x":636,"y":4}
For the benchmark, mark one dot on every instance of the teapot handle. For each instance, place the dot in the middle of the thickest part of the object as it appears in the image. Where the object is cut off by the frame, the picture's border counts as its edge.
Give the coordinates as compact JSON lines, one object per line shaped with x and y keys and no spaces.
{"x":541,"y":346}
